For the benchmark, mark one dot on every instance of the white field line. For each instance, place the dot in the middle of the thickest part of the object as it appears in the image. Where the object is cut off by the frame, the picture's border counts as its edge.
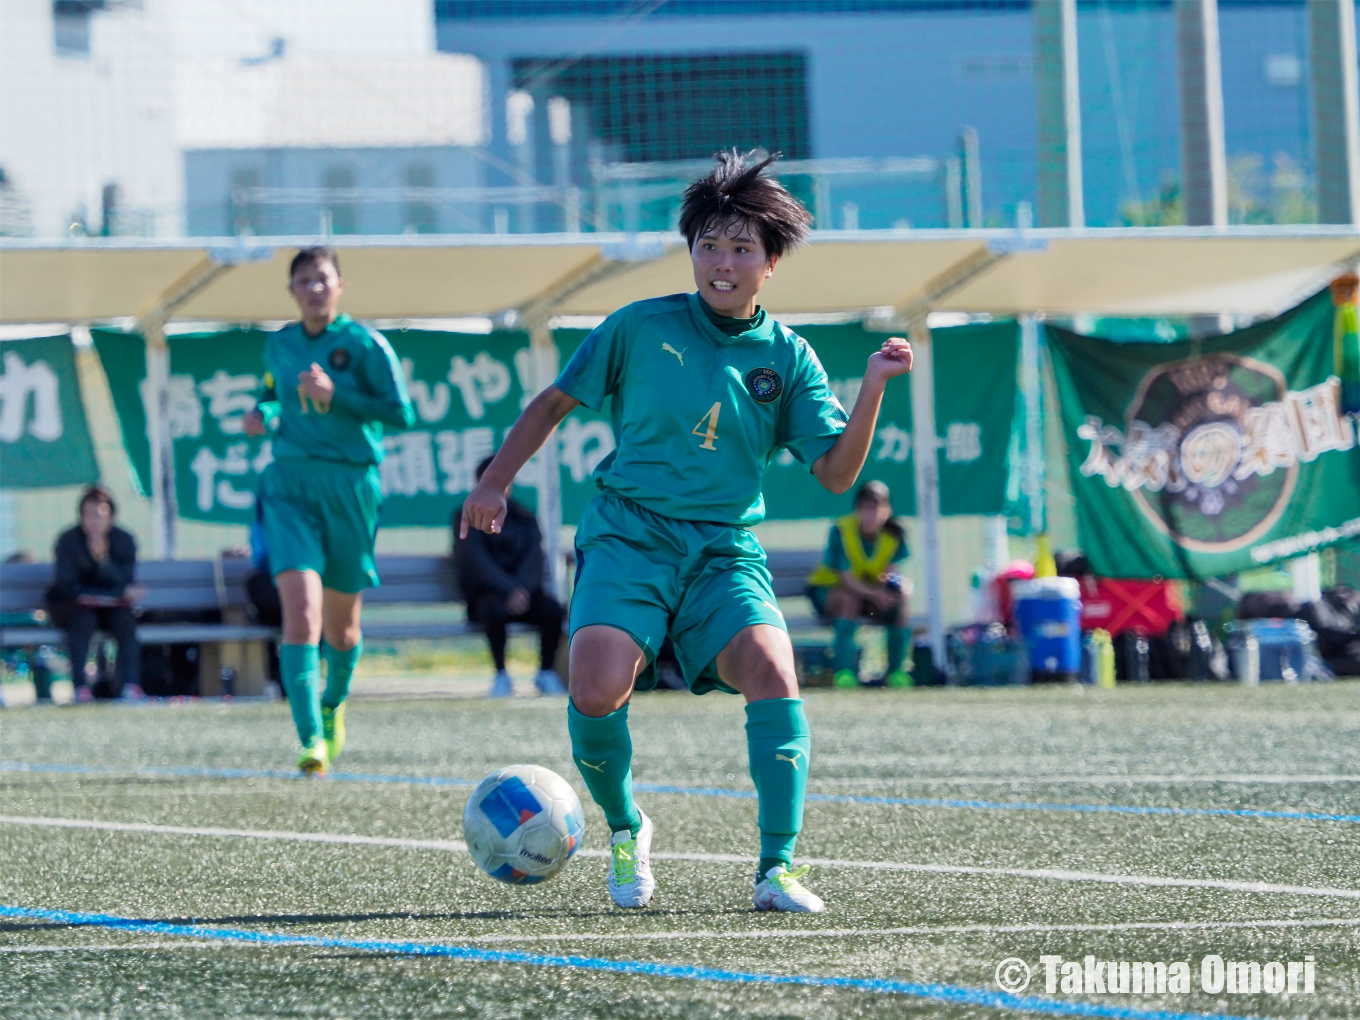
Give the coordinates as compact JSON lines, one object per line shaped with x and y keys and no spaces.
{"x":454,"y":846}
{"x":1082,"y":780}
{"x":963,"y":929}
{"x":811,"y":933}
{"x":140,"y":947}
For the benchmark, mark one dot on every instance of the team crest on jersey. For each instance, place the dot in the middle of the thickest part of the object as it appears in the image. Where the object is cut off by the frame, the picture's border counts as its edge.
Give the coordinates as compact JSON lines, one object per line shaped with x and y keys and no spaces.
{"x":339,"y":359}
{"x":764,"y":384}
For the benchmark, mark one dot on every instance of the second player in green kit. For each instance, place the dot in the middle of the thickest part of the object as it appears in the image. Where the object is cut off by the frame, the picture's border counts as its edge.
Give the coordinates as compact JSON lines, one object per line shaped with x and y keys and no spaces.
{"x":331,"y":385}
{"x":704,"y":389}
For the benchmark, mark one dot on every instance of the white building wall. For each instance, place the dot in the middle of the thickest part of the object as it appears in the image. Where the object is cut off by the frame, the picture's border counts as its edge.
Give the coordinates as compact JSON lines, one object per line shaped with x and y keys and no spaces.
{"x":69,"y":124}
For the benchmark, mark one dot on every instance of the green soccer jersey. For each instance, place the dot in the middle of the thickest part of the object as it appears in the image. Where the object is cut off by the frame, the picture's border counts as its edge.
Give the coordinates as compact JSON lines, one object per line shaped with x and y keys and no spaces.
{"x":370,"y":391}
{"x":698,"y":414}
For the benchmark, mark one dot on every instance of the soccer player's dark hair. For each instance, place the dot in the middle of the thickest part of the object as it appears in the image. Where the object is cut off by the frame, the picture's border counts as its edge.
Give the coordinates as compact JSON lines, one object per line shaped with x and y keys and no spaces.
{"x":314,"y":253}
{"x":98,"y":494}
{"x":873,"y":491}
{"x":481,"y":468}
{"x":739,"y":190}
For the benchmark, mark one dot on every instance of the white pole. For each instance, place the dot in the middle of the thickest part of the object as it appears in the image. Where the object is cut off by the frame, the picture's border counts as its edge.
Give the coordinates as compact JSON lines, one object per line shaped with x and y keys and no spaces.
{"x":1034,"y":434}
{"x":164,"y":509}
{"x":925,"y":446}
{"x":550,"y":477}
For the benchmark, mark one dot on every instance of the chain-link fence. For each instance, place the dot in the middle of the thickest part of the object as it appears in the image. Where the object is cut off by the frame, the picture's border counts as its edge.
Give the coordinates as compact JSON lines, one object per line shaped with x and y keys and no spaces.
{"x":230,"y":117}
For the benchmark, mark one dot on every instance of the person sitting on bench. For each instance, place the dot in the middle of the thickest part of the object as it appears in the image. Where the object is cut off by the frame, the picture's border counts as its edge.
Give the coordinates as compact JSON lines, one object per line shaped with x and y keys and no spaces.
{"x":94,"y":591}
{"x":502,"y":579}
{"x":859,"y":578}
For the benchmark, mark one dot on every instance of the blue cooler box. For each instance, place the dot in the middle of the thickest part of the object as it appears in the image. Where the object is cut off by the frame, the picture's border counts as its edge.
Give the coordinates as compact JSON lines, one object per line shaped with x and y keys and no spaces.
{"x":1048,"y":611}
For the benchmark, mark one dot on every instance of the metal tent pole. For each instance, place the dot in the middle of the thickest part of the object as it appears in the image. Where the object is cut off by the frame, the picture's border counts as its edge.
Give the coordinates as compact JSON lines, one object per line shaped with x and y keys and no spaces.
{"x":925,"y":445}
{"x":151,"y":322}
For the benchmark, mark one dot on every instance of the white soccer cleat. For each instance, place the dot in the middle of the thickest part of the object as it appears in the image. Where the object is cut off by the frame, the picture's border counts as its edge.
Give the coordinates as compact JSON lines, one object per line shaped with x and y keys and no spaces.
{"x":631,"y":884}
{"x":781,"y":890}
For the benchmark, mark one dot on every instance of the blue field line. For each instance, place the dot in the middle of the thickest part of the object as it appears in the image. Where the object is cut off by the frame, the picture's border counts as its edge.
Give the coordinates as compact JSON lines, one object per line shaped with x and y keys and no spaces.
{"x":694,"y":791}
{"x":954,"y":994}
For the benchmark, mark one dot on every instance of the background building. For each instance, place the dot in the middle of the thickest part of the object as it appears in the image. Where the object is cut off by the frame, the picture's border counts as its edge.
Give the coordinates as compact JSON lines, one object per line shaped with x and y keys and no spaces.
{"x":166,"y":117}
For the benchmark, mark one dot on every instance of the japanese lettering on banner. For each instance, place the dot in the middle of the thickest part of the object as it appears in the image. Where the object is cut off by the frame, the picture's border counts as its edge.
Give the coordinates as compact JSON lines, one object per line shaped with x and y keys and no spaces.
{"x":44,"y":439}
{"x":468,"y":389}
{"x":1203,"y":458}
{"x":975,"y":394}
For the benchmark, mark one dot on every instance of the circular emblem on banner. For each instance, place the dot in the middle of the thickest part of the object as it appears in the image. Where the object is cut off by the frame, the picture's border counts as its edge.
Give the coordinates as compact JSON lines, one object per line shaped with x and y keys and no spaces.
{"x":764,"y":384}
{"x":1209,"y":451}
{"x":339,"y":359}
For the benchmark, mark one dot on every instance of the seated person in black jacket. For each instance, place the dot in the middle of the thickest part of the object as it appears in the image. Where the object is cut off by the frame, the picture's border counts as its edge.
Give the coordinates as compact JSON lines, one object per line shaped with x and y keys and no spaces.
{"x":93,"y":591}
{"x":502,"y":580}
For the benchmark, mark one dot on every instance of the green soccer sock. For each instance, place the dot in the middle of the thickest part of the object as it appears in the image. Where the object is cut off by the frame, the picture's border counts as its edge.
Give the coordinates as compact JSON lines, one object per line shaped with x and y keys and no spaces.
{"x":603,"y":750}
{"x":339,"y":668}
{"x":844,"y":649}
{"x":778,"y":743}
{"x":897,"y":647}
{"x":301,"y":669}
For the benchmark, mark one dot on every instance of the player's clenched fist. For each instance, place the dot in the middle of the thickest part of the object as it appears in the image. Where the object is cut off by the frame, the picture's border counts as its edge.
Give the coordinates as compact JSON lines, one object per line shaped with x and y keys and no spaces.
{"x":892,"y":359}
{"x":483,"y":510}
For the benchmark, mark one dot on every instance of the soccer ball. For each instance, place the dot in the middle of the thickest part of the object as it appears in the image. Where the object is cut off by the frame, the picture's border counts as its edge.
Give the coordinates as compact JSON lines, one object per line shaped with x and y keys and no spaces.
{"x":523,"y":824}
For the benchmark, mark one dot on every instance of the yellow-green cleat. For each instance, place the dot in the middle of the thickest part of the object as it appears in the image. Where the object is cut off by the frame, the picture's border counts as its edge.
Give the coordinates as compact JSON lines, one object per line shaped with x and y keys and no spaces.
{"x":313,"y":760}
{"x":333,"y":729}
{"x":898,"y":678}
{"x":845,"y":678}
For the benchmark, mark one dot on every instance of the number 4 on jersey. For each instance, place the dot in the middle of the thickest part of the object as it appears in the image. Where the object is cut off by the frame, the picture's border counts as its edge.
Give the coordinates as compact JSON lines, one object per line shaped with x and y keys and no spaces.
{"x":709,"y":424}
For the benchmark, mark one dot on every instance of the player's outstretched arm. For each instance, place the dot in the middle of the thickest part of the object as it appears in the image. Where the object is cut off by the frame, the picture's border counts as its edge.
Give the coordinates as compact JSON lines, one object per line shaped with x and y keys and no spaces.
{"x":838,"y":468}
{"x":484,"y":508}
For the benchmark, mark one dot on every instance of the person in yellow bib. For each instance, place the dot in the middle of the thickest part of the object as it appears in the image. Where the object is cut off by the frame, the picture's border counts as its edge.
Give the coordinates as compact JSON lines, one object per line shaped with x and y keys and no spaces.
{"x":860,"y":578}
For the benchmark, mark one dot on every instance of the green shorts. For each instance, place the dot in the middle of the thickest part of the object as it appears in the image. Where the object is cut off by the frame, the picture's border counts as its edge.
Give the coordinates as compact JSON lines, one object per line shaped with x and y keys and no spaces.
{"x":650,"y":576}
{"x":322,"y":516}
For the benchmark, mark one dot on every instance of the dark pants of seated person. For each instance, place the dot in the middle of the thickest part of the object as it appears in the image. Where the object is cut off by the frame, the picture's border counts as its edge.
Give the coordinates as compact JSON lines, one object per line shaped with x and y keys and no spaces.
{"x":83,"y":621}
{"x":544,"y":612}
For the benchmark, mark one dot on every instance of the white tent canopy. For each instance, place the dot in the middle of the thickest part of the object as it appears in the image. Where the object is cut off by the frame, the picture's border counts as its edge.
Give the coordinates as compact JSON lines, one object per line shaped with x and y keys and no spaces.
{"x":895,"y":275}
{"x":1184,"y":271}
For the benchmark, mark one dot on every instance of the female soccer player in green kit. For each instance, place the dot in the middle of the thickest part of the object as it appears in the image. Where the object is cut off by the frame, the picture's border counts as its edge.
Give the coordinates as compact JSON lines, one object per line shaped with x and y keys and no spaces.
{"x":706,"y":388}
{"x":330,"y":384}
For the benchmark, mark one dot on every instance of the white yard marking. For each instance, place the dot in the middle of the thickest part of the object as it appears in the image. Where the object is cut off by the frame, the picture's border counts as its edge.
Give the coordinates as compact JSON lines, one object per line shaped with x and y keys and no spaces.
{"x":139,"y":947}
{"x":456,"y":846}
{"x":962,"y":929}
{"x":1083,"y":780}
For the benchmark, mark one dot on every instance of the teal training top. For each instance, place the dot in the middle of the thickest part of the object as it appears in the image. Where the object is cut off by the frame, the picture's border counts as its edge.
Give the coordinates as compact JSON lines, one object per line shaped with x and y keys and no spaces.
{"x":370,"y":391}
{"x":698,"y":414}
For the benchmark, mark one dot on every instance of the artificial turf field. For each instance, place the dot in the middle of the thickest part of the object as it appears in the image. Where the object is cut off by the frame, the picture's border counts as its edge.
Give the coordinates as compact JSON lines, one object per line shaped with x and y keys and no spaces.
{"x":956,"y":828}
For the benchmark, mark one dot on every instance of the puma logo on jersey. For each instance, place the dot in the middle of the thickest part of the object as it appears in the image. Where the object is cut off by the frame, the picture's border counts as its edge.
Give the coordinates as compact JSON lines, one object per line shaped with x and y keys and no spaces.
{"x":679,"y":355}
{"x":792,"y":761}
{"x":600,"y":767}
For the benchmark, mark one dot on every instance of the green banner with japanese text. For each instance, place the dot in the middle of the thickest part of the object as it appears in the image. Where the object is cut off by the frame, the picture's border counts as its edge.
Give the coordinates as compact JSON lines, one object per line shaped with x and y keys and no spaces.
{"x":467,"y":389}
{"x":44,"y":438}
{"x":1202,"y":458}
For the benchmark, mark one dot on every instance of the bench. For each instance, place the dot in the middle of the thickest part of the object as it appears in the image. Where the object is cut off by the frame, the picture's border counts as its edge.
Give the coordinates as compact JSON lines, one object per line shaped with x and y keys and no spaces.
{"x":218,"y":586}
{"x":238,"y":644}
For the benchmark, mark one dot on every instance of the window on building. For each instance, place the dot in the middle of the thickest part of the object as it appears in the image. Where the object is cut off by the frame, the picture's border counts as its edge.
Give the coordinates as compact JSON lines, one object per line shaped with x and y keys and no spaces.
{"x":245,"y":212}
{"x":420,"y":215}
{"x":342,"y":207}
{"x":669,"y":107}
{"x":71,"y":27}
